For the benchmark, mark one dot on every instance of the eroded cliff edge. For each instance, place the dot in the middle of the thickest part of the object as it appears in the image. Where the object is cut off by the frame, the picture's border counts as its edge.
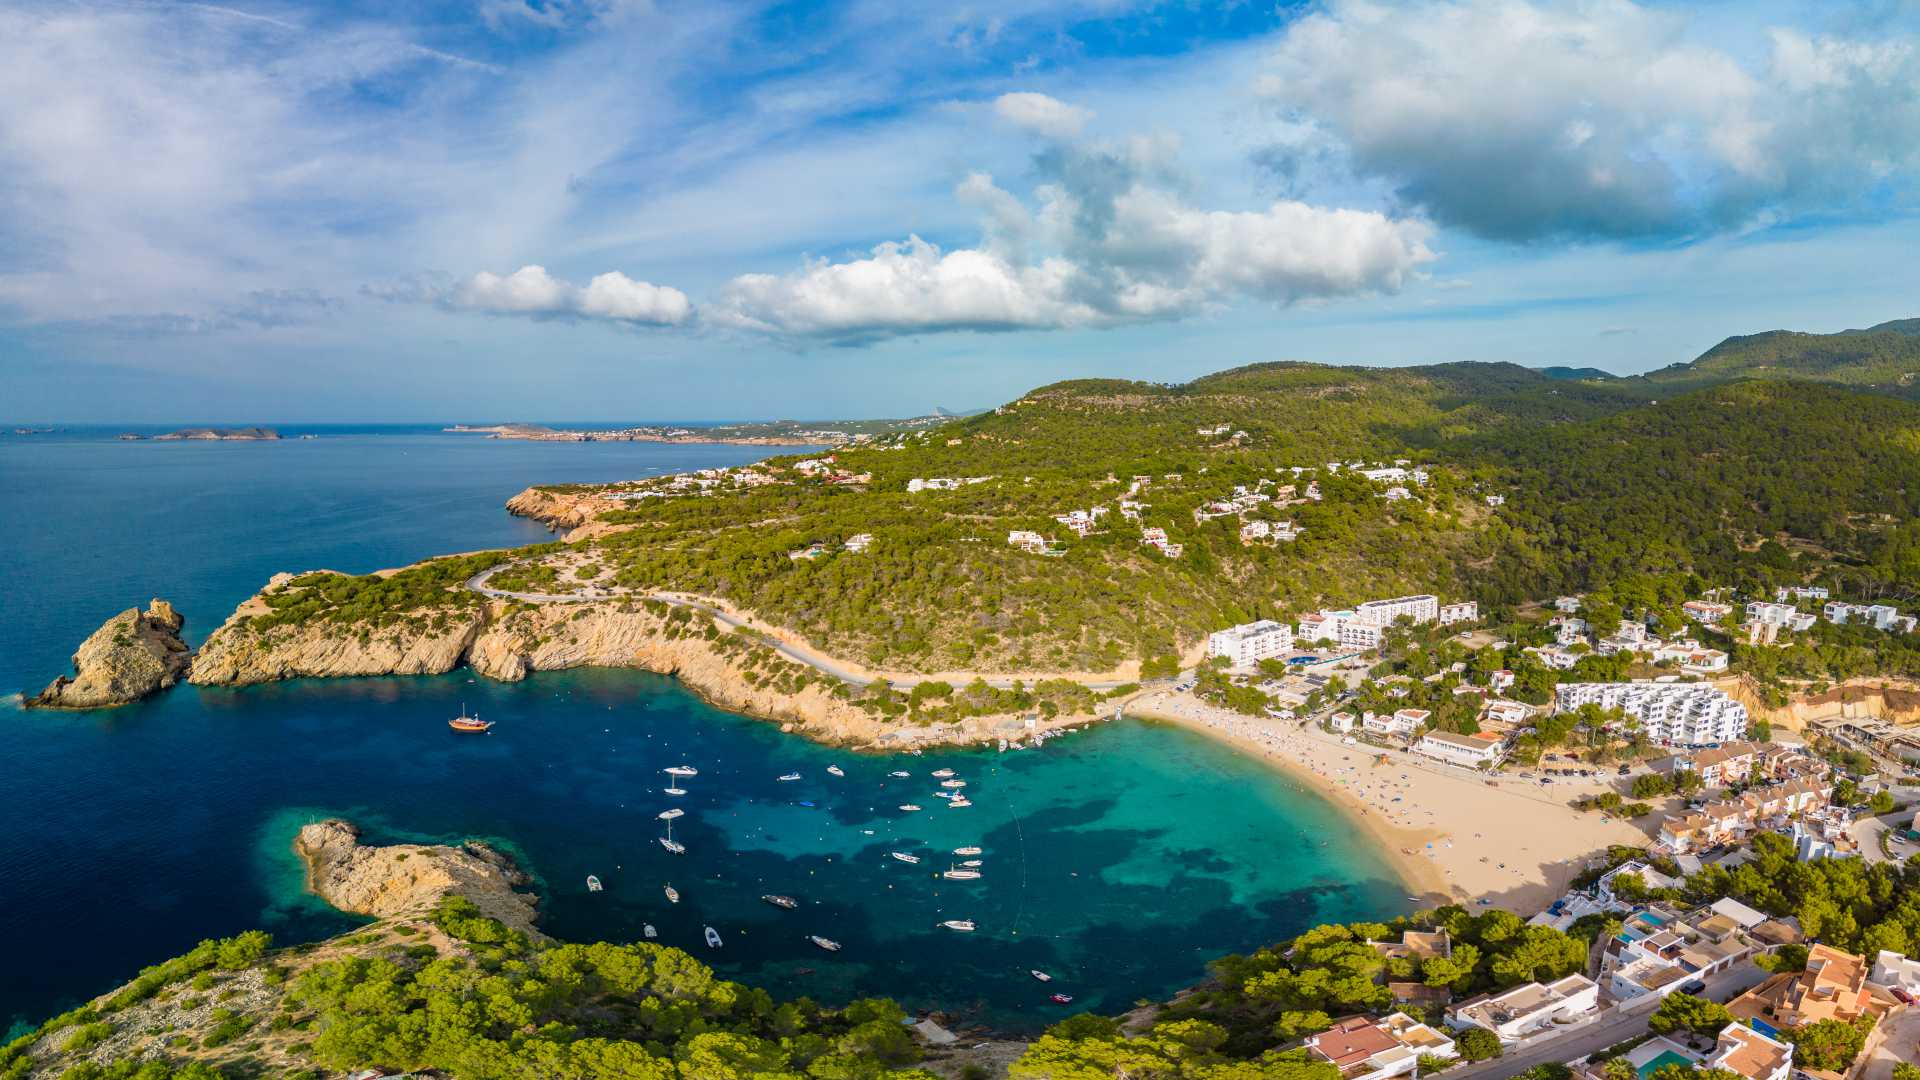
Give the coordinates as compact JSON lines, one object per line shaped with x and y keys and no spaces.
{"x":411,"y":879}
{"x":133,"y":654}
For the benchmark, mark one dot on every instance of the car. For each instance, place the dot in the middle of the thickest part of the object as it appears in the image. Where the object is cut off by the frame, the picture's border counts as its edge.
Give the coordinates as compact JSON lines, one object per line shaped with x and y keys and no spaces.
{"x":1904,"y":997}
{"x":1696,"y":987}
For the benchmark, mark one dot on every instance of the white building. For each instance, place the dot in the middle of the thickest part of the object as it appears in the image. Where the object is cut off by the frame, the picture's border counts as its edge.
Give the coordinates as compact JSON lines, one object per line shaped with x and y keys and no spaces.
{"x":1675,"y":713}
{"x":1878,"y":616}
{"x":1419,"y":609}
{"x":1746,"y":1053}
{"x":1526,"y":1009}
{"x":1802,"y":592}
{"x":1249,"y":643}
{"x":1771,"y":614}
{"x":1892,"y":969}
{"x":1472,"y":751}
{"x":859,"y":542}
{"x":1496,"y":500}
{"x":1362,"y":1048}
{"x":1340,"y":722}
{"x":1465,"y":611}
{"x":1401,"y":722}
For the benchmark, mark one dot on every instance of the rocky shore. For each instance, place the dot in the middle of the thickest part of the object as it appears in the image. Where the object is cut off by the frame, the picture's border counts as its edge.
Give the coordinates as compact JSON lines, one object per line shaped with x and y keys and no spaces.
{"x":132,"y":655}
{"x":410,"y":879}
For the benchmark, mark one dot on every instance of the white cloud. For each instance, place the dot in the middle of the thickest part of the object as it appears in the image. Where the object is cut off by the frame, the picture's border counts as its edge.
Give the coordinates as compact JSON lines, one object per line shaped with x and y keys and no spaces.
{"x":1524,"y":120}
{"x":1042,"y":115}
{"x":1107,"y":247}
{"x":530,"y":290}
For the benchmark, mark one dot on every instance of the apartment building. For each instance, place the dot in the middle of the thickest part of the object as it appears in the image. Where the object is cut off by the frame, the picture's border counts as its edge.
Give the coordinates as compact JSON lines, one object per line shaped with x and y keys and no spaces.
{"x":1801,"y":592}
{"x":1249,"y":643}
{"x":1424,"y":608}
{"x":1465,"y":611}
{"x":1679,"y":714}
{"x":1472,"y":751}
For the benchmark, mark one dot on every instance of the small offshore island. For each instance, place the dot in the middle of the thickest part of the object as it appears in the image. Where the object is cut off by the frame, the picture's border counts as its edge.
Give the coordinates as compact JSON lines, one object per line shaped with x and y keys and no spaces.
{"x":1588,"y":657}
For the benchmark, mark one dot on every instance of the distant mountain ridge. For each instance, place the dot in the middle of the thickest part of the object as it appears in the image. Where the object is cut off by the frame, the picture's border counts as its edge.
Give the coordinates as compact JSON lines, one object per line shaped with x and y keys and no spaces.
{"x":1883,"y":359}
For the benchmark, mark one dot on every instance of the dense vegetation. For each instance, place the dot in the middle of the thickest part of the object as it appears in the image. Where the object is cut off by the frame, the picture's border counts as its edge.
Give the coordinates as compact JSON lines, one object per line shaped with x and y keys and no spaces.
{"x":1884,"y":358}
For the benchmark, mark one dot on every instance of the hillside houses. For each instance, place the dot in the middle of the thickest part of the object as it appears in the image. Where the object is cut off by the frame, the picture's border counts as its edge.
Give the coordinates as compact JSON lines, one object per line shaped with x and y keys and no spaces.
{"x":1366,"y":1049}
{"x":1679,"y":714}
{"x":1658,"y":950}
{"x":1879,"y":616}
{"x":1156,"y":537}
{"x":1527,"y":1009}
{"x":1802,"y":592}
{"x":944,"y":483}
{"x":1765,"y":808}
{"x":1034,"y":544}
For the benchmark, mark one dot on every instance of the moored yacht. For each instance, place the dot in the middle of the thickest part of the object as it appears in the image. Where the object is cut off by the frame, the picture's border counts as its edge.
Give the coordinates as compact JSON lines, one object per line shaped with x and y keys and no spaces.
{"x":909,"y":807}
{"x":942,"y":773}
{"x":961,"y":873}
{"x":787,"y":902}
{"x":826,"y":943}
{"x":469,"y":725}
{"x":965,"y":926}
{"x":673,"y":894}
{"x":835,"y":770}
{"x":904,"y":857}
{"x":789,"y":777}
{"x":966,"y":851}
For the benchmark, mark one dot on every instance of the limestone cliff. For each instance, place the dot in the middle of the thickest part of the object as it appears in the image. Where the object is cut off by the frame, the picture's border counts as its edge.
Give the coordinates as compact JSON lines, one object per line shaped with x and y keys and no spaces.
{"x":410,"y":879}
{"x":132,"y":655}
{"x":560,"y":508}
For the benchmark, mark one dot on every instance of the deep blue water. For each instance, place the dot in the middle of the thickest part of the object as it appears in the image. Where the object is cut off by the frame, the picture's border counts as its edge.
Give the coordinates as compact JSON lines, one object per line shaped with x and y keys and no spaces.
{"x":1120,"y":859}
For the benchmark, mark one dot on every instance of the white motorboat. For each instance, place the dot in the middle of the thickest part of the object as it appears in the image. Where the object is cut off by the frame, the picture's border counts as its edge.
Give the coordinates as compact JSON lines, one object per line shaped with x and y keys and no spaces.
{"x":960,"y":802}
{"x":899,"y":774}
{"x":971,"y":862}
{"x":904,"y":857}
{"x":961,"y":874}
{"x":835,"y":770}
{"x":966,"y":851}
{"x":789,"y":777}
{"x":674,"y":846}
{"x":673,"y":894}
{"x":953,"y":783}
{"x":593,"y":883}
{"x":965,"y":926}
{"x":787,"y":902}
{"x":668,"y":841}
{"x":826,"y":943}
{"x":943,"y":795}
{"x":909,"y":807}
{"x":649,"y":931}
{"x":1041,"y":975}
{"x":713,"y":938}
{"x":942,"y":773}
{"x":682,"y":770}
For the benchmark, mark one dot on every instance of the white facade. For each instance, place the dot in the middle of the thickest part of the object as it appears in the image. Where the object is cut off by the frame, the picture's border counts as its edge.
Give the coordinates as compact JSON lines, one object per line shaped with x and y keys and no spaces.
{"x":1678,"y":713}
{"x":1465,"y":611}
{"x":1802,"y":592}
{"x":1473,"y":751}
{"x":1526,"y":1009}
{"x":1771,"y":614}
{"x":1419,"y":609}
{"x":1249,"y":643}
{"x":1746,"y":1053}
{"x":1894,"y":969}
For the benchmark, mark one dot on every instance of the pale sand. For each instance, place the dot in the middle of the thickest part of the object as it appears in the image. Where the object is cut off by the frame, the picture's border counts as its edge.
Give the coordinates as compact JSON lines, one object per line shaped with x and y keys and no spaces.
{"x":1451,"y":836}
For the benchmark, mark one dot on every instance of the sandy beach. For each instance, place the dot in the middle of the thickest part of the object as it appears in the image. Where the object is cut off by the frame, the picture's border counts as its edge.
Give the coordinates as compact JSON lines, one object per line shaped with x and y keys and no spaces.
{"x":1449,"y":834}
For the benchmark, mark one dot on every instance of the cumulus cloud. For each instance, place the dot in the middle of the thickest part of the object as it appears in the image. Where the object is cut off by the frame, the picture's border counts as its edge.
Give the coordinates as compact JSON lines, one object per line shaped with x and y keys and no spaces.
{"x":530,"y":290}
{"x":1107,"y":245}
{"x":1042,"y":115}
{"x":1524,"y":120}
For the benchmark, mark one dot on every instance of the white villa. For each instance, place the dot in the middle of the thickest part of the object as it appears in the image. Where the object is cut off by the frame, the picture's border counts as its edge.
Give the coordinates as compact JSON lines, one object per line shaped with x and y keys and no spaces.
{"x":1249,"y":643}
{"x":1526,"y":1009}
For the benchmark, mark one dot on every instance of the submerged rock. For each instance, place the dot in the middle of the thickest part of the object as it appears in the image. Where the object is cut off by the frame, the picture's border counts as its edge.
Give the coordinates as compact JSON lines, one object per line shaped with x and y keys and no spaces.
{"x":410,"y":879}
{"x":134,"y":654}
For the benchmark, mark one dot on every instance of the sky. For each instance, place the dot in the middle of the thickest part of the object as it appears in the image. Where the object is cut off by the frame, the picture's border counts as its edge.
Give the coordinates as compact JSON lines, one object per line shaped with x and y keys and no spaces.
{"x":631,"y":210}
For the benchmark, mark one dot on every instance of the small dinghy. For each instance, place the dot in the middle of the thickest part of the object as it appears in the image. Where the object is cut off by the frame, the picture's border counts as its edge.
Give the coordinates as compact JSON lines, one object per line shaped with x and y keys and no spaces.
{"x":904,"y":857}
{"x":593,"y":883}
{"x":1041,"y":975}
{"x":649,"y":931}
{"x":713,"y":938}
{"x":1063,"y":999}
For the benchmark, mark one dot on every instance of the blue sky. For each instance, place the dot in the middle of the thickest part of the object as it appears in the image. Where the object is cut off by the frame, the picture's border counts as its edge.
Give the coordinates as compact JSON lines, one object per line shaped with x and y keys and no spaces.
{"x":624,"y":210}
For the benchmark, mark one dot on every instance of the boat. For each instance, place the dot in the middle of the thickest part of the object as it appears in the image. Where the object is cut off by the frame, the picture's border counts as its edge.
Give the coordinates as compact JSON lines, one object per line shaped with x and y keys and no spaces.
{"x":713,"y":938}
{"x":965,"y":926}
{"x":904,"y":857}
{"x":899,"y":774}
{"x":960,"y":802}
{"x":943,"y":795}
{"x":673,"y":894}
{"x":826,"y":943}
{"x":960,"y":873}
{"x":787,"y":902}
{"x":943,"y":773}
{"x":469,"y":725}
{"x":1063,"y":999}
{"x":971,"y":862}
{"x":953,"y":783}
{"x":668,"y":841}
{"x":683,"y":770}
{"x":649,"y":931}
{"x":909,"y":807}
{"x":966,"y":851}
{"x":593,"y":883}
{"x":1041,"y":975}
{"x":835,"y":770}
{"x":789,"y":777}
{"x":677,"y":771}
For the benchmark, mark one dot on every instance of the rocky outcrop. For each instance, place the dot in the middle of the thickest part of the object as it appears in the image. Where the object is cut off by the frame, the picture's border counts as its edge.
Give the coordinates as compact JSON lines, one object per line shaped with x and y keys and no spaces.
{"x":410,"y":879}
{"x":132,"y":655}
{"x":1897,"y":701}
{"x":560,"y":508}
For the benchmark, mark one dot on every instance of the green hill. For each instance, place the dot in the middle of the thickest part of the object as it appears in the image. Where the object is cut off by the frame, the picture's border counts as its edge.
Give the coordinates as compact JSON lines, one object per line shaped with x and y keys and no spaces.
{"x":1882,"y":359}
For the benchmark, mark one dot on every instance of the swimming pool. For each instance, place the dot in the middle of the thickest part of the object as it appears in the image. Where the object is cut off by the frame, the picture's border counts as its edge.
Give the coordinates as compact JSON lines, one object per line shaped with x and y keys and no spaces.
{"x":1667,"y":1057}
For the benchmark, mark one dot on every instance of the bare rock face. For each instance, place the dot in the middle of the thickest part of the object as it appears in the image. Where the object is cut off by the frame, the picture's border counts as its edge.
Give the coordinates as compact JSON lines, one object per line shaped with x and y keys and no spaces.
{"x":134,"y":654}
{"x":410,"y":879}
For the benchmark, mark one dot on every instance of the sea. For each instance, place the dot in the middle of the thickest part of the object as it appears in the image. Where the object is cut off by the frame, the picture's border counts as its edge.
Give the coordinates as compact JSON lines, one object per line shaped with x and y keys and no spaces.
{"x":1119,"y":860}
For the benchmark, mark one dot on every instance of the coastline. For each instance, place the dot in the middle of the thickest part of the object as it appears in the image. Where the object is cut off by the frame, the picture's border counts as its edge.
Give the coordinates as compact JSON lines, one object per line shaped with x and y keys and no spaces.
{"x":1528,"y":845}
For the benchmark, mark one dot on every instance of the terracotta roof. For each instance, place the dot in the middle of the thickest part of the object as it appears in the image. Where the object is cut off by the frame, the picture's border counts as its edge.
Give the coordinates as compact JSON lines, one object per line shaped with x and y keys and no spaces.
{"x":1352,"y":1040}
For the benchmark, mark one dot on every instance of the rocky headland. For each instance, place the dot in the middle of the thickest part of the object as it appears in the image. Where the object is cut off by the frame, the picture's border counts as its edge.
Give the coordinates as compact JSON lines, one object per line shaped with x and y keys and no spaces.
{"x":391,"y":880}
{"x":132,"y":655}
{"x":244,"y":434}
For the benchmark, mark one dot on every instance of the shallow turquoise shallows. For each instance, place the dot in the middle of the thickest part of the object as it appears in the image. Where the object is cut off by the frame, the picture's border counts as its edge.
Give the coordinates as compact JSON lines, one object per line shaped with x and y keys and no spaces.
{"x":1119,"y":859}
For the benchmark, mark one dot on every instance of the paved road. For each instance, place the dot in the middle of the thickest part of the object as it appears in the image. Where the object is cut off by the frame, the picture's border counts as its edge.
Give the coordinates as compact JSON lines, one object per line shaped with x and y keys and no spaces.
{"x":1578,"y":1044}
{"x":819,"y":662}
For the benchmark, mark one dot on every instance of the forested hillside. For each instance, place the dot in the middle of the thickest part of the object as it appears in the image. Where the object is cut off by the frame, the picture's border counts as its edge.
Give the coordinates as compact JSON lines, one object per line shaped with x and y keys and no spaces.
{"x":1884,"y":359}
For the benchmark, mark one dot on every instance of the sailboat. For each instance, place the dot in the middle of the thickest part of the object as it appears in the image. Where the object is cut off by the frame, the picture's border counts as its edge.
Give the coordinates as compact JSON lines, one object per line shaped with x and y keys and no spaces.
{"x":593,"y":883}
{"x":966,"y":851}
{"x":961,"y":873}
{"x":942,"y":773}
{"x":469,"y":725}
{"x":713,"y":938}
{"x":788,"y":778}
{"x":787,"y":902}
{"x":668,"y":841}
{"x":826,"y":943}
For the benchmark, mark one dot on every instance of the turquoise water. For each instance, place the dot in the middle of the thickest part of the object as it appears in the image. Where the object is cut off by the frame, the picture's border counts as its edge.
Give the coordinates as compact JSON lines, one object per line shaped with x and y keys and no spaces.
{"x":1665,"y":1059}
{"x":1120,"y":859}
